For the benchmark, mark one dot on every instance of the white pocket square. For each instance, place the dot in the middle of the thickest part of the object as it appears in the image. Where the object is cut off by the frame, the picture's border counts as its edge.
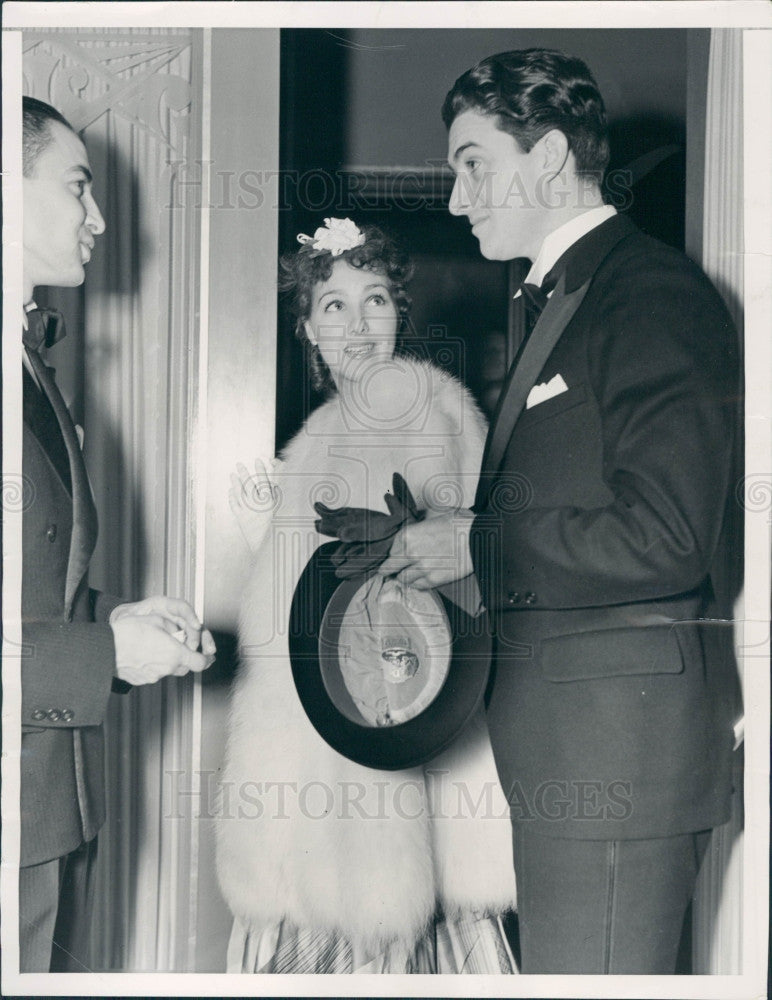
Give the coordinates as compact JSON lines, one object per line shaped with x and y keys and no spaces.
{"x":546,"y":390}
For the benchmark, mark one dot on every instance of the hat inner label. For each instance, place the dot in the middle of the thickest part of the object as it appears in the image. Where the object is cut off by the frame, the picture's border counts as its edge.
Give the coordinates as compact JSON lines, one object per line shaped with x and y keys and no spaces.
{"x":385,"y":651}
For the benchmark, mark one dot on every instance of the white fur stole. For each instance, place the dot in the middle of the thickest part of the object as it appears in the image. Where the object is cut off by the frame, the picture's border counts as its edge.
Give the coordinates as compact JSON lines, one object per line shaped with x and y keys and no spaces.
{"x":304,"y":833}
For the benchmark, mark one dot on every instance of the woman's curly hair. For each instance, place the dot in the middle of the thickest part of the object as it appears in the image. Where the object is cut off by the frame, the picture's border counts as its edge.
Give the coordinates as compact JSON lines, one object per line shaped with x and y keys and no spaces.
{"x":302,"y":271}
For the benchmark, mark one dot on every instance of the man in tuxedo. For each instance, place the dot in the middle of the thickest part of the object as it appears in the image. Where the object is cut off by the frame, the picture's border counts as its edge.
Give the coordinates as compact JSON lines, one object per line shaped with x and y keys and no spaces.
{"x":78,"y":644}
{"x":595,"y":531}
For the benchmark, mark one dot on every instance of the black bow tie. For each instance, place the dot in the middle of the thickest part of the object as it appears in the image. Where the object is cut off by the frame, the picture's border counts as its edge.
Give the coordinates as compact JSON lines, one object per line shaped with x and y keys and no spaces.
{"x":536,"y":297}
{"x":44,"y":328}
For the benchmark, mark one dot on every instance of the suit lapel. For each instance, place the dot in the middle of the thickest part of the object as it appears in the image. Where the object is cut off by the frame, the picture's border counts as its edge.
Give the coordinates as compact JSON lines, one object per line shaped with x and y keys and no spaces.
{"x":84,"y":519}
{"x":580,"y":262}
{"x":42,"y":421}
{"x":556,"y":316}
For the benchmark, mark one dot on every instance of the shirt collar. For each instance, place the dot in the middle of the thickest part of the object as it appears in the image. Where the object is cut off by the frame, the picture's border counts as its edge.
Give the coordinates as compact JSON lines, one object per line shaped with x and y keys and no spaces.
{"x":557,"y":242}
{"x":24,"y":356}
{"x":27,"y":308}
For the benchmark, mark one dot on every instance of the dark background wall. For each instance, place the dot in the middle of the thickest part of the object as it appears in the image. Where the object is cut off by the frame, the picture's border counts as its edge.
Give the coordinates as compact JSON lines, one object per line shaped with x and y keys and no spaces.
{"x":359,"y":103}
{"x":397,"y":80}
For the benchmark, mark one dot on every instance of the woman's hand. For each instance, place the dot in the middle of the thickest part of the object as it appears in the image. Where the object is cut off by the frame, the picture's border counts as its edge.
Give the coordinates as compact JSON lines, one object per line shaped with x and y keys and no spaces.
{"x":252,"y":499}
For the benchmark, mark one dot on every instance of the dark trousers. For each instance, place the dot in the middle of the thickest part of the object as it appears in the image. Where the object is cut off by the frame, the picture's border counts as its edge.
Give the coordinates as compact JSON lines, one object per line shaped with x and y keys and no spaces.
{"x":55,"y":901}
{"x":603,"y":906}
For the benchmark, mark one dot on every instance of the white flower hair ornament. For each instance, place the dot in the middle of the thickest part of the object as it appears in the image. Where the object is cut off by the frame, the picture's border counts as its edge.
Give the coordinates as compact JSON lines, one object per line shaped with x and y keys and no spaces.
{"x":335,"y":237}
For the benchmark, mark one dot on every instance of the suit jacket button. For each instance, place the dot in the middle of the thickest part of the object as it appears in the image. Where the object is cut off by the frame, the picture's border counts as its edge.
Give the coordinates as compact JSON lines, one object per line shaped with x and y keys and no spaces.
{"x":38,"y":714}
{"x":513,"y":597}
{"x":51,"y":533}
{"x":68,"y":715}
{"x":54,"y":714}
{"x":530,"y":598}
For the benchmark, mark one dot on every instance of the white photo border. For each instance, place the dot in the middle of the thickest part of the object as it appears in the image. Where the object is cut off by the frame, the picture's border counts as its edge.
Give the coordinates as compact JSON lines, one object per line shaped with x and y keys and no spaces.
{"x":756,"y":18}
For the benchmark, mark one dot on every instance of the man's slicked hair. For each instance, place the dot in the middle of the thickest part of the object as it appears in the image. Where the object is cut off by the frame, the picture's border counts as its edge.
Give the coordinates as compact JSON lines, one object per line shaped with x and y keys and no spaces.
{"x":531,"y":91}
{"x":36,"y":130}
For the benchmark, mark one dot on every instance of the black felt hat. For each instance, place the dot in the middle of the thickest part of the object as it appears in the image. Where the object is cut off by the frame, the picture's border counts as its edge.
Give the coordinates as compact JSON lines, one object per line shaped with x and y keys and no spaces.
{"x":388,"y":675}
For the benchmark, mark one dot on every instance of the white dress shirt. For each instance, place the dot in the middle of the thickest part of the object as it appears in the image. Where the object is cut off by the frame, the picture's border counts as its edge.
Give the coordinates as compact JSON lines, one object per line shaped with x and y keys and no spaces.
{"x":558,"y":241}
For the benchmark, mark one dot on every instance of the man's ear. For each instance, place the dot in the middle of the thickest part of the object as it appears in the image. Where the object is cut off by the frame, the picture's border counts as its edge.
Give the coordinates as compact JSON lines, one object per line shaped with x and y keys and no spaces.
{"x":555,"y":151}
{"x":309,"y":332}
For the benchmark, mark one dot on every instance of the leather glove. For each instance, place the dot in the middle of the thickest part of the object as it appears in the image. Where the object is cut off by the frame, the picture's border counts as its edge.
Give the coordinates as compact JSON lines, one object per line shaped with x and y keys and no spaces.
{"x":367,"y":535}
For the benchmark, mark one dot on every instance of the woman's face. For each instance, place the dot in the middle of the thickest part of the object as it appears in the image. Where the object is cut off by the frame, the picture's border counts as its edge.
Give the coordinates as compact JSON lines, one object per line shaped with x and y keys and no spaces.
{"x":353,"y":320}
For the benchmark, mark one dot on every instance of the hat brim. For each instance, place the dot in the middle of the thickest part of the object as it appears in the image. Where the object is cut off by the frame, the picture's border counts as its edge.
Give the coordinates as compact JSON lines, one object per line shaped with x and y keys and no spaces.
{"x":406,"y":744}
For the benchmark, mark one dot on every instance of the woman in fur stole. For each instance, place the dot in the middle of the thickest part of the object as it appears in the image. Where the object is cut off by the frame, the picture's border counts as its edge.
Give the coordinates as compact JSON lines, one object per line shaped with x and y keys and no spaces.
{"x":329,"y":866}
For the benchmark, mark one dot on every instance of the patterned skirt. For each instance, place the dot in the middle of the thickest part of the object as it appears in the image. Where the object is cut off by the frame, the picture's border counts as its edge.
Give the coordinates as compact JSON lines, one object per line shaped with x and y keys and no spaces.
{"x":468,"y":944}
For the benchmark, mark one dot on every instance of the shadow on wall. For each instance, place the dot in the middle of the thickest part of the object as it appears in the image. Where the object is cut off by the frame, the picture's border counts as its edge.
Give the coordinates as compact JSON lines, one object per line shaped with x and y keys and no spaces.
{"x":646,"y":177}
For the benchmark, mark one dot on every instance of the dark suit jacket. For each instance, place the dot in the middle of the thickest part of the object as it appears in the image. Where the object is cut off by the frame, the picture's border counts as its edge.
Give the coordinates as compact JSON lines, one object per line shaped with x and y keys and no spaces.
{"x":611,"y":708}
{"x":69,"y":657}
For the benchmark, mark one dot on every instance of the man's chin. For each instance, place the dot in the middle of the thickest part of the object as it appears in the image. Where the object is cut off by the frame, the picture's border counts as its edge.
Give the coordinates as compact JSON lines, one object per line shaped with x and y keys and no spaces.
{"x":73,"y":279}
{"x":494,"y":253}
{"x":493,"y":250}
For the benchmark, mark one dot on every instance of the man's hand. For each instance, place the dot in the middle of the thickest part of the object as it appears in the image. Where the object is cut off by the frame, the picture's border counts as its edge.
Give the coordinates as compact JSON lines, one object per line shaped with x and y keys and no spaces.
{"x":159,"y":637}
{"x":433,"y":552}
{"x":174,"y":610}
